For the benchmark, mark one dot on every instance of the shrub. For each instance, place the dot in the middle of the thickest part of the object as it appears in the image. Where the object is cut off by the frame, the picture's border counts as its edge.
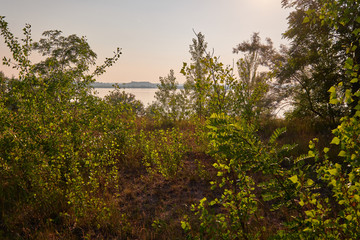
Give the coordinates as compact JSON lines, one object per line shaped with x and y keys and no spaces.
{"x":163,"y":151}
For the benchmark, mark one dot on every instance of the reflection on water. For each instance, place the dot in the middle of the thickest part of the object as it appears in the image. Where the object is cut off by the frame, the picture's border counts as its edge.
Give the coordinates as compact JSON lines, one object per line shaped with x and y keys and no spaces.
{"x":145,"y":95}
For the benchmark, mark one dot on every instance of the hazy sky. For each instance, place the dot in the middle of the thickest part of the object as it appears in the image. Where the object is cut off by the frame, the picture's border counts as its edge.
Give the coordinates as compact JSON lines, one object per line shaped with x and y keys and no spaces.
{"x":154,"y":34}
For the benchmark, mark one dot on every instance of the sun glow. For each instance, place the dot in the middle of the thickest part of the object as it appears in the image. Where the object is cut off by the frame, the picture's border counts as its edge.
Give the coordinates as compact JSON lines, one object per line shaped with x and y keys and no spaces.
{"x":259,"y":3}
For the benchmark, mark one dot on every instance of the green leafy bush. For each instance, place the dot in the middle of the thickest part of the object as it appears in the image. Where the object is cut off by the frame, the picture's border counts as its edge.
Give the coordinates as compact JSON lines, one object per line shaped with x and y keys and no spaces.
{"x":56,"y":166}
{"x":239,"y":155}
{"x":163,"y":151}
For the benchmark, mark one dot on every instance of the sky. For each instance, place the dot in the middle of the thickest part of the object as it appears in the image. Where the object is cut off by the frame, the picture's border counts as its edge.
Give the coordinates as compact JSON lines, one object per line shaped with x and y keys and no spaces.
{"x":154,"y":35}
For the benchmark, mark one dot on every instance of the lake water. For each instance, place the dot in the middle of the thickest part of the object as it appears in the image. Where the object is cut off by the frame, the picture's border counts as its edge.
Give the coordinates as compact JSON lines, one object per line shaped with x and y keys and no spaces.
{"x":145,"y":95}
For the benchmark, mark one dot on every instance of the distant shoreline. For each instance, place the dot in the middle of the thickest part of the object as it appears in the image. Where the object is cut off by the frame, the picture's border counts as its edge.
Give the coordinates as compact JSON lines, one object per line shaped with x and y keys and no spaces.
{"x":128,"y":85}
{"x":125,"y":85}
{"x":120,"y":87}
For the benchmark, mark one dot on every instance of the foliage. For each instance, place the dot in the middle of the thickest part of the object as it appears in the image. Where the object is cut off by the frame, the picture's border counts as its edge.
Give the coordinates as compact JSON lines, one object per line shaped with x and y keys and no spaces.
{"x":169,"y":104}
{"x":55,"y":159}
{"x":335,"y":215}
{"x":197,"y":85}
{"x":314,"y":62}
{"x":256,"y":91}
{"x":63,"y":53}
{"x":213,"y":88}
{"x":163,"y":152}
{"x":125,"y":101}
{"x":239,"y":155}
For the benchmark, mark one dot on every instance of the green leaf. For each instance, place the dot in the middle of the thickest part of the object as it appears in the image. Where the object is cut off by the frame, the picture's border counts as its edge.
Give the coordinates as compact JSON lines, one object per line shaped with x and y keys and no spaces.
{"x":357,"y":114}
{"x":309,"y":182}
{"x":310,"y":214}
{"x":349,"y":63}
{"x":294,"y":179}
{"x":333,"y":182}
{"x":326,"y":150}
{"x":306,"y":20}
{"x":311,"y":145}
{"x":342,"y":154}
{"x":334,"y":101}
{"x":356,"y":31}
{"x":335,"y":140}
{"x":332,"y":89}
{"x":333,"y":171}
{"x":351,"y":176}
{"x":358,"y":19}
{"x":357,"y":93}
{"x":311,"y":154}
{"x":184,"y":225}
{"x":276,"y":134}
{"x":212,"y":203}
{"x":348,"y":95}
{"x":354,"y":80}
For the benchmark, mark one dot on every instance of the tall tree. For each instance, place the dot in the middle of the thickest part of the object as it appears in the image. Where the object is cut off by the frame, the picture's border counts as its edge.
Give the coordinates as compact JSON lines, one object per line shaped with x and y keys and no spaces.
{"x":255,"y":80}
{"x":197,"y":85}
{"x":314,"y":61}
{"x":342,"y":16}
{"x":168,"y":101}
{"x":64,"y":71}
